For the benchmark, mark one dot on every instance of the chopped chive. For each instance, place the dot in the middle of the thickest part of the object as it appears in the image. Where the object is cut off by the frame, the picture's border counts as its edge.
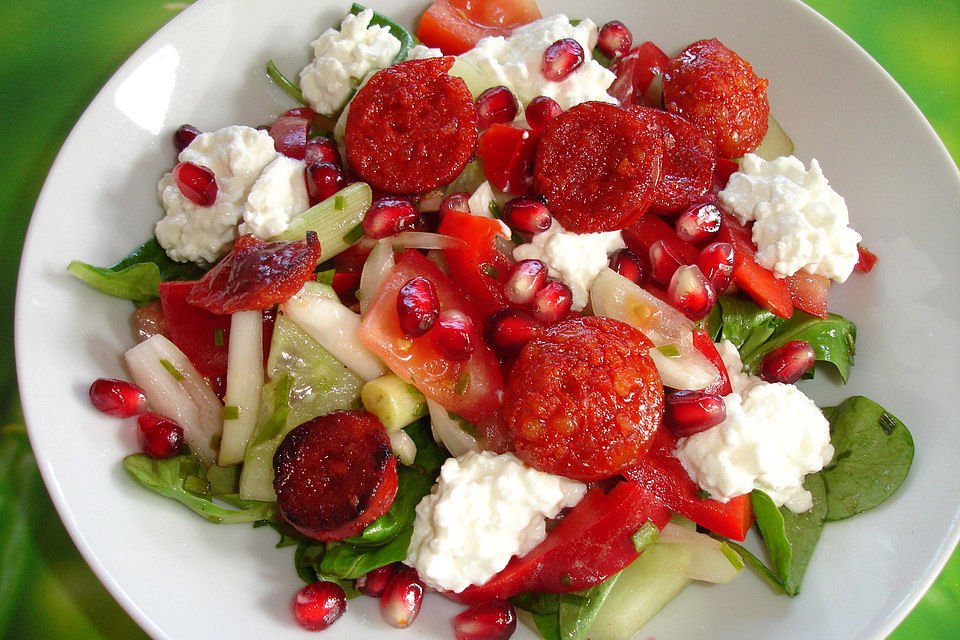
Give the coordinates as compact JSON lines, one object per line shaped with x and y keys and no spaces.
{"x":338,"y":203}
{"x":215,"y":441}
{"x":494,"y":208}
{"x":645,"y":536}
{"x":230,"y":412}
{"x":887,"y":423}
{"x":463,"y":383}
{"x":172,"y":370}
{"x":490,"y":270}
{"x":353,"y":235}
{"x":732,"y":556}
{"x":218,"y":338}
{"x":325,"y":277}
{"x":669,"y":350}
{"x":702,"y":495}
{"x":566,"y":579}
{"x":289,"y":87}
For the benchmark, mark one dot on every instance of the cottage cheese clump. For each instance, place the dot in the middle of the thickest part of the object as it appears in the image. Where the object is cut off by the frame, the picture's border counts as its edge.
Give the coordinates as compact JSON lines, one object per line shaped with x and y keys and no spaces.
{"x":484,"y":509}
{"x":801,"y":222}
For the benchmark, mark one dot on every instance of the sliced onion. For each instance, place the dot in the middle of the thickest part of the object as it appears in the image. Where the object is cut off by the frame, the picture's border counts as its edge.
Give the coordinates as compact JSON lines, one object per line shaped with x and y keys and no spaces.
{"x":448,"y":431}
{"x":423,"y":240}
{"x":379,"y":263}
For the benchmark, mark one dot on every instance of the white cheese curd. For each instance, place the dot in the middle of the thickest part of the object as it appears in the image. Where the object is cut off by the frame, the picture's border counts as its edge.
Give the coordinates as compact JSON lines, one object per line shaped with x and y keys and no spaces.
{"x":801,"y":222}
{"x":739,"y":381}
{"x":574,"y":258}
{"x":772,"y":437}
{"x":515,"y":63}
{"x":278,"y":196}
{"x":236,"y":155}
{"x":484,"y":509}
{"x":343,"y":58}
{"x":421,"y":52}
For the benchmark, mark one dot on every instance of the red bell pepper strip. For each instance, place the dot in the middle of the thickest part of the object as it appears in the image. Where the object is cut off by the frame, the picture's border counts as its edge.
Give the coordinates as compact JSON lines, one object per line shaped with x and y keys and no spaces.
{"x":759,"y":283}
{"x":476,"y":264}
{"x":703,"y":344}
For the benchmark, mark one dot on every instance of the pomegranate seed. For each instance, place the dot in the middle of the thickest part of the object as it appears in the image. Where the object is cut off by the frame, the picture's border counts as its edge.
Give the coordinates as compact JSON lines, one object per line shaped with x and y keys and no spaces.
{"x":691,"y":292}
{"x":699,"y":223}
{"x":196,"y":183}
{"x":663,"y":263}
{"x":527,"y":215}
{"x":319,"y":604}
{"x":540,"y":110}
{"x":323,"y":180}
{"x":526,"y":279}
{"x":388,"y":217}
{"x":301,"y":112}
{"x":183,"y":136}
{"x":373,"y":582}
{"x":149,"y":320}
{"x":417,"y":307}
{"x":552,"y":303}
{"x":716,"y":263}
{"x":496,"y":105}
{"x":561,"y":59}
{"x":631,"y":266}
{"x":788,"y":363}
{"x":690,"y":412}
{"x":289,"y":135}
{"x":159,"y":437}
{"x":118,"y":397}
{"x":322,"y":149}
{"x":509,"y":329}
{"x":615,"y":39}
{"x":401,"y":599}
{"x":492,"y":620}
{"x":453,"y":334}
{"x":459,"y":201}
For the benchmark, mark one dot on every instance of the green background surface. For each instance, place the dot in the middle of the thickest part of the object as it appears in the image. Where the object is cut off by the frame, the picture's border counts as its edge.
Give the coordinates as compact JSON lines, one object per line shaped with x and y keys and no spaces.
{"x":54,"y":57}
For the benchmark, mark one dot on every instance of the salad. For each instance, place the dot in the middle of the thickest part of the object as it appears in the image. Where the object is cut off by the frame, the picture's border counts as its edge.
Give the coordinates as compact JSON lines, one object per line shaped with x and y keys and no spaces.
{"x":519,"y":324}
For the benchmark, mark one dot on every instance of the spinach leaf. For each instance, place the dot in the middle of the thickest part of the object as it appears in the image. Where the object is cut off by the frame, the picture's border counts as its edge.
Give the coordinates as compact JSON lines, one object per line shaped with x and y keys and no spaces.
{"x":743,"y":323}
{"x":757,"y":565}
{"x":430,"y":456}
{"x":175,"y":477}
{"x":396,"y":30}
{"x":873,"y":452}
{"x":307,"y":560}
{"x":349,"y":562}
{"x":565,"y":616}
{"x":411,"y":488}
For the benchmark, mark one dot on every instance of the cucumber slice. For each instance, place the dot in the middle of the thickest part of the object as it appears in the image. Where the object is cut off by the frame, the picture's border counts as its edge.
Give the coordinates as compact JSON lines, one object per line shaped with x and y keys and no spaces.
{"x":395,"y":402}
{"x":708,"y":562}
{"x":333,"y":220}
{"x":775,"y":142}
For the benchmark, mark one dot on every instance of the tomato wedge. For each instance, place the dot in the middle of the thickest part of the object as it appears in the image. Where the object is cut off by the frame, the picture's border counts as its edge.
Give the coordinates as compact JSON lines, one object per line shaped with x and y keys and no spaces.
{"x":808,"y":291}
{"x":201,"y":335}
{"x":508,"y":153}
{"x":590,"y":544}
{"x":454,"y":26}
{"x":703,"y":344}
{"x":473,"y":387}
{"x":663,"y":474}
{"x":477,"y":264}
{"x":759,"y":283}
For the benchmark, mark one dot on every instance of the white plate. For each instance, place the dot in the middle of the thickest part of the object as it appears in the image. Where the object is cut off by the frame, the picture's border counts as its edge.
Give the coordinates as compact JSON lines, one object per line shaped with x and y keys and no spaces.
{"x":181,"y":577}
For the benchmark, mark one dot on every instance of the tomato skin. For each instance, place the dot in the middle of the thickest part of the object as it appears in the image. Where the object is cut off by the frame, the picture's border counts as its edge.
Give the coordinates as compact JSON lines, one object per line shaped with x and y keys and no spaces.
{"x":703,"y":344}
{"x":635,"y":71}
{"x":590,"y":544}
{"x":808,"y":291}
{"x":194,"y":329}
{"x":507,"y":153}
{"x":474,"y":263}
{"x":454,"y":26}
{"x":663,"y":474}
{"x":759,"y":283}
{"x":418,"y":359}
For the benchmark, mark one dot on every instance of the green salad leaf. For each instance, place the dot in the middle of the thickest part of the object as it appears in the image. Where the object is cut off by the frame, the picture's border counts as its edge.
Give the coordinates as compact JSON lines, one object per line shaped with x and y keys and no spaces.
{"x":430,"y":455}
{"x":565,"y":616}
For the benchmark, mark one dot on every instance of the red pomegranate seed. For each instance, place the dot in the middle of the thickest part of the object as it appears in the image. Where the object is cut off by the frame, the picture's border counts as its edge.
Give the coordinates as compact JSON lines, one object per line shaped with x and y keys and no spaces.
{"x":509,"y":329}
{"x":417,"y":307}
{"x":691,"y":292}
{"x":453,"y":334}
{"x":149,"y":320}
{"x":492,"y":620}
{"x":541,"y":110}
{"x":401,"y":599}
{"x":615,"y":39}
{"x":459,"y":201}
{"x":118,"y":397}
{"x":196,"y":183}
{"x":631,"y":266}
{"x":527,"y":215}
{"x":561,"y":59}
{"x":301,"y":112}
{"x":389,"y":216}
{"x":663,"y":263}
{"x":496,"y":105}
{"x":526,"y":279}
{"x":322,"y":149}
{"x":552,"y":303}
{"x":699,"y":223}
{"x":373,"y":582}
{"x":323,"y":180}
{"x":289,"y":135}
{"x":716,"y":263}
{"x":690,"y":412}
{"x":159,"y":437}
{"x":319,"y":604}
{"x":183,"y":136}
{"x":788,"y":363}
{"x":866,"y":259}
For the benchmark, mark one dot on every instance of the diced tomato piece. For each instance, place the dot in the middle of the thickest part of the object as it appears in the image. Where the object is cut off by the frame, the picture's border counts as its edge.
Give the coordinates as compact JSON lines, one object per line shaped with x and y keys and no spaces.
{"x":635,"y":70}
{"x":644,"y":232}
{"x":472,"y":387}
{"x":507,"y":153}
{"x":722,"y":172}
{"x":477,"y":265}
{"x":201,"y":335}
{"x":345,"y":285}
{"x":759,"y":283}
{"x":866,"y":259}
{"x":663,"y":475}
{"x":808,"y":291}
{"x":591,"y":543}
{"x":454,"y":26}
{"x":703,"y":344}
